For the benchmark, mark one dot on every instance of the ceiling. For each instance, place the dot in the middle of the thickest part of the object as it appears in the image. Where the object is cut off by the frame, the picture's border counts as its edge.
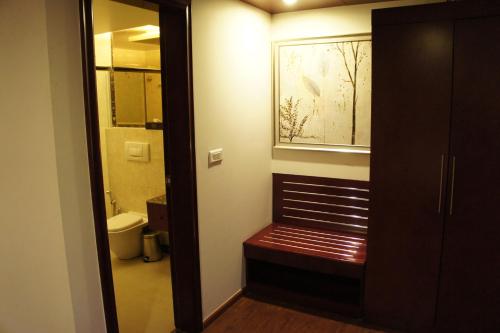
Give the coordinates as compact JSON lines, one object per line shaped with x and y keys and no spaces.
{"x":277,"y":6}
{"x":137,"y":39}
{"x":113,"y":16}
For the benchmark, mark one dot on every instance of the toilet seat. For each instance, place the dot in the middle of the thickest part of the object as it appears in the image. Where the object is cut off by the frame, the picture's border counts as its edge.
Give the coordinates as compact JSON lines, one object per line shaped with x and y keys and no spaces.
{"x":123,"y":222}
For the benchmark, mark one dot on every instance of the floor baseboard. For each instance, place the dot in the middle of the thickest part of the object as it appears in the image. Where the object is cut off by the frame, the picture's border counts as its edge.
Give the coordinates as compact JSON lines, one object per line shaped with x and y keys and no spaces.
{"x":221,"y":309}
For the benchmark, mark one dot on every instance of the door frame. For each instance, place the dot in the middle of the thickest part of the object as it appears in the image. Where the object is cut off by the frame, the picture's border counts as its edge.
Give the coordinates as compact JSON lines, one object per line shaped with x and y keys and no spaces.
{"x":180,"y":162}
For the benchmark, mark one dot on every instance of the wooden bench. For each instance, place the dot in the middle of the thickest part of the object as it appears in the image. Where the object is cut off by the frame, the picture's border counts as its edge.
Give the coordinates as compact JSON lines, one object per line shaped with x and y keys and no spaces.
{"x":314,"y":252}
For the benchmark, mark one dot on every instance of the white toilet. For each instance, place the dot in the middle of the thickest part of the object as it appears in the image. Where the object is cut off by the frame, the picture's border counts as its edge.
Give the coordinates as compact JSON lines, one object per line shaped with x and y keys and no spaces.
{"x":125,"y":234}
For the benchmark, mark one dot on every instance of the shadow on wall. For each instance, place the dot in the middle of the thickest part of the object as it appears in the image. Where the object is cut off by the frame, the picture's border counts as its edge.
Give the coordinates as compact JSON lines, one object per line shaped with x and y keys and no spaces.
{"x":322,"y":164}
{"x":347,"y":159}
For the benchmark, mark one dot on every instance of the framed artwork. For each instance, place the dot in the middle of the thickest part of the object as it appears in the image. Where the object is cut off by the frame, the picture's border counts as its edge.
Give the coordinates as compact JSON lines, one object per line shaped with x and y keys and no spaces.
{"x":322,"y":94}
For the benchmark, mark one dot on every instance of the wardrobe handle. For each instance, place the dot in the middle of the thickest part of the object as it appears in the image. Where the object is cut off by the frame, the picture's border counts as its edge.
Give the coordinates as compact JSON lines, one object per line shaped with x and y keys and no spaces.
{"x":452,"y":184}
{"x":441,"y":185}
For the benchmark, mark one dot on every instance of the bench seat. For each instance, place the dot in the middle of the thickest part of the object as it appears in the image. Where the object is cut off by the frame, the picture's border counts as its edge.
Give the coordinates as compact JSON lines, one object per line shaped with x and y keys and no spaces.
{"x":313,"y":255}
{"x":322,"y":250}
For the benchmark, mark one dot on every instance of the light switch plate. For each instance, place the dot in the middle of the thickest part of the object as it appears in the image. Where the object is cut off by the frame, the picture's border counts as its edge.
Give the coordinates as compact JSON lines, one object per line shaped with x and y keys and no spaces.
{"x":215,"y":156}
{"x":137,"y":151}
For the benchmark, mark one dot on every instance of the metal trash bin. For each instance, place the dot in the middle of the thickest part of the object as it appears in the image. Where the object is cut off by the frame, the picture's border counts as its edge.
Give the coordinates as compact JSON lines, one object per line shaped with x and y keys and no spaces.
{"x":151,"y":246}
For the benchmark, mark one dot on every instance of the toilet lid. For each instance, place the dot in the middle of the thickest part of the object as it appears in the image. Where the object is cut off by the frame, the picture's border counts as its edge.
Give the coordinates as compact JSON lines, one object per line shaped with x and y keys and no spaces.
{"x":123,"y":221}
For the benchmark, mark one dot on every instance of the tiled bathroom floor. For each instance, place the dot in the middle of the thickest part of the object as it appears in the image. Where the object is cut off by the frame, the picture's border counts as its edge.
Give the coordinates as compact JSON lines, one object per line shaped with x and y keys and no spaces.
{"x":143,"y":293}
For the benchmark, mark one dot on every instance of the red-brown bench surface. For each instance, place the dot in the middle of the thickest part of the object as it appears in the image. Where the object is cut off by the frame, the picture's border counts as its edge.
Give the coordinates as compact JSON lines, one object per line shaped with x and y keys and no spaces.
{"x":317,"y":248}
{"x":319,"y":224}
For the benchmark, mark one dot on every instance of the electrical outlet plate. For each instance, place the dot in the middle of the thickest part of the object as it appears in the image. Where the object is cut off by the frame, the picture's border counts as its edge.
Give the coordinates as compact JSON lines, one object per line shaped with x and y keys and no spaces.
{"x":215,"y":156}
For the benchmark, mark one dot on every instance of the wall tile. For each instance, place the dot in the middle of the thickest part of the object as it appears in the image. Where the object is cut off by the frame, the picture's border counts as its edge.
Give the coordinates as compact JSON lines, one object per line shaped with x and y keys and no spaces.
{"x":132,"y":183}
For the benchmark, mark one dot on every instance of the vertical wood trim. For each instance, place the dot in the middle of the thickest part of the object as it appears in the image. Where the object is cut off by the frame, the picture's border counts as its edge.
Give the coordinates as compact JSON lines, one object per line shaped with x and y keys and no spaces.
{"x":179,"y":143}
{"x":405,"y":189}
{"x":277,"y":196}
{"x":95,"y":166}
{"x":469,"y":293}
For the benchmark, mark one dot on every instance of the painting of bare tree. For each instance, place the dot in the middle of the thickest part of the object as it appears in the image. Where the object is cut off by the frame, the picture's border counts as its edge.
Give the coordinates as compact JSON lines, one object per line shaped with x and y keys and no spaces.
{"x":323,"y":93}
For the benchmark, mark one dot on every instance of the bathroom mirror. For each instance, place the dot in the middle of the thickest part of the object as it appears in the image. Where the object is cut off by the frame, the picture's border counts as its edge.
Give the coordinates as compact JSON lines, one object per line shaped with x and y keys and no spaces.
{"x":136,"y":98}
{"x":131,"y":60}
{"x":153,"y":98}
{"x":129,"y":99}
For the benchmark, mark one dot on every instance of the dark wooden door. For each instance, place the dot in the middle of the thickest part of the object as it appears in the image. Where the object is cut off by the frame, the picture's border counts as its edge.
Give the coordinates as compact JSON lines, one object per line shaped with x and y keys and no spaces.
{"x":412,"y":81}
{"x":470,"y":279}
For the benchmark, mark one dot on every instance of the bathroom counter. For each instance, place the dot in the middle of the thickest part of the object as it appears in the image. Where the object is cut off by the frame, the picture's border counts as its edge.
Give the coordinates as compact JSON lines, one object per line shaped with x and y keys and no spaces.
{"x":157,"y":213}
{"x":160,"y":200}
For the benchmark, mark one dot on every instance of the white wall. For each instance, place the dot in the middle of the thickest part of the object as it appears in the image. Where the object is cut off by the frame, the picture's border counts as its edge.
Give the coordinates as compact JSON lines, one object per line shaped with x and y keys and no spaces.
{"x":232,"y":95}
{"x":335,"y":21}
{"x":72,"y":164}
{"x":232,"y":102}
{"x":49,"y":280}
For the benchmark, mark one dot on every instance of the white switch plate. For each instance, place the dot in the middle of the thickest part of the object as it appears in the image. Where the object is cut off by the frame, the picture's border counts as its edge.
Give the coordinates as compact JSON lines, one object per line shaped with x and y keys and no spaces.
{"x":137,"y":151}
{"x":215,"y":156}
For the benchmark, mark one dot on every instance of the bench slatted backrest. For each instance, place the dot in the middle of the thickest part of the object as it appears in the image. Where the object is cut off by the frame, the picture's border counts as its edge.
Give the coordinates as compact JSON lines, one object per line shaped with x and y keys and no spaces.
{"x":328,"y":203}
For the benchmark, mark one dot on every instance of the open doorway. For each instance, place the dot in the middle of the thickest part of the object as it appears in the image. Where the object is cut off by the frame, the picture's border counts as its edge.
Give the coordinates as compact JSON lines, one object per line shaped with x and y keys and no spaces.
{"x":141,"y":153}
{"x":127,"y":57}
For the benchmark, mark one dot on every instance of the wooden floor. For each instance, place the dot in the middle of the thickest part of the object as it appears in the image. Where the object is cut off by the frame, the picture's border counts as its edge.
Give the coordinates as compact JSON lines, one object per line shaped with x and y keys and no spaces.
{"x":251,"y":316}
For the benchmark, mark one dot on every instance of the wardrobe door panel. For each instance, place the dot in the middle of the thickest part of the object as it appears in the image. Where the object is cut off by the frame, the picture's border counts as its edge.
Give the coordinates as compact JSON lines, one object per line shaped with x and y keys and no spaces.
{"x":412,"y":79}
{"x":470,"y":279}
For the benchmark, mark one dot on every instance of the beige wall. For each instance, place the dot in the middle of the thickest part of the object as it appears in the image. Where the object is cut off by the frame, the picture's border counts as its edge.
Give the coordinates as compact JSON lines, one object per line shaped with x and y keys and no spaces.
{"x":232,"y":94}
{"x":49,"y":281}
{"x":132,"y":182}
{"x":232,"y":101}
{"x":112,"y":16}
{"x":136,"y":58}
{"x":104,"y":111}
{"x":102,"y":49}
{"x":63,"y":25}
{"x":333,"y":21}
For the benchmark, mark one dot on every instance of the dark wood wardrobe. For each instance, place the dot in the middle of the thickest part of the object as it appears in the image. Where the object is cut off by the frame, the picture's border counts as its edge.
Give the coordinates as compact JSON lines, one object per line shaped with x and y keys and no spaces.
{"x":434,"y":238}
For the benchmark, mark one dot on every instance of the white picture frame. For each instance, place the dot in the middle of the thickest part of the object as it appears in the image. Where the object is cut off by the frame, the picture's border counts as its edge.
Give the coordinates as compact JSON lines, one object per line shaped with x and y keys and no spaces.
{"x":315,"y":82}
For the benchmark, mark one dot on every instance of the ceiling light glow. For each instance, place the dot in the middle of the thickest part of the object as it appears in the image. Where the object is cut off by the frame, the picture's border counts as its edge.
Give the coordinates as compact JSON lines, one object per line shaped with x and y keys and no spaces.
{"x":145,"y":32}
{"x":290,"y":2}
